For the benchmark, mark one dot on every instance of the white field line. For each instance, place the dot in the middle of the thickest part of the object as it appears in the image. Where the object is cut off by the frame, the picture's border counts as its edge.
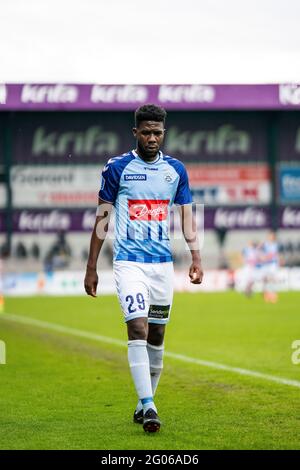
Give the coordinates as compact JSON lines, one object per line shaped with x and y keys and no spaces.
{"x":179,"y":357}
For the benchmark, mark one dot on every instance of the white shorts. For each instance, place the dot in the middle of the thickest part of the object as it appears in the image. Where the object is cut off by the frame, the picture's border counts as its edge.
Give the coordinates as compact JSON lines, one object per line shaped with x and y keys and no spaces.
{"x":145,"y":290}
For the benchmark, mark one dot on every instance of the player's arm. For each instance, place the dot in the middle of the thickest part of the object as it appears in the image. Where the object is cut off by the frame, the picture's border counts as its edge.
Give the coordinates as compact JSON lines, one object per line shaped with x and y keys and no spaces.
{"x":189,"y":230}
{"x":97,"y":240}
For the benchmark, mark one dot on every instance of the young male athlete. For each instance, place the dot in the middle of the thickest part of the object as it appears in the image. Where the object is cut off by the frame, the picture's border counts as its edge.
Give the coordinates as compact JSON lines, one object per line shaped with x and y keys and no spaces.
{"x":270,"y":266}
{"x":142,"y":185}
{"x":250,"y":258}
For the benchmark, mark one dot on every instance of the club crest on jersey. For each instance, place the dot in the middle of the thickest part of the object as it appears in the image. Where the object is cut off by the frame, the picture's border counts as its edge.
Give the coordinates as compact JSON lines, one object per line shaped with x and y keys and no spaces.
{"x":136,"y":177}
{"x":168,"y":178}
{"x":148,"y":209}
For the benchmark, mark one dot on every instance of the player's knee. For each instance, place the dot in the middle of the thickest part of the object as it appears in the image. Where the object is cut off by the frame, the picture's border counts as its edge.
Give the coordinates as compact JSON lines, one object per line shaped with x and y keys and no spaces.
{"x":137,"y":329}
{"x":156,"y":334}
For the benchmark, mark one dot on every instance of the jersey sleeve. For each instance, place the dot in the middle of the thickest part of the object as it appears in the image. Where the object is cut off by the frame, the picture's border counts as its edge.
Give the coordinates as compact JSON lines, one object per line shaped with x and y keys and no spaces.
{"x":110,"y":180}
{"x":183,"y":193}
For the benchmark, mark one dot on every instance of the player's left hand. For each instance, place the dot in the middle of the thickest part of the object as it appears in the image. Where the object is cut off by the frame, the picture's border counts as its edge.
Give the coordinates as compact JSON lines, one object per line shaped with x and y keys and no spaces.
{"x":196,"y":273}
{"x":91,"y":282}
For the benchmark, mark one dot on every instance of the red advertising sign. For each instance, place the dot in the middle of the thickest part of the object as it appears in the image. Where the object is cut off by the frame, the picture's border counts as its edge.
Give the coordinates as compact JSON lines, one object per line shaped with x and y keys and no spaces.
{"x":214,"y":174}
{"x":230,"y":185}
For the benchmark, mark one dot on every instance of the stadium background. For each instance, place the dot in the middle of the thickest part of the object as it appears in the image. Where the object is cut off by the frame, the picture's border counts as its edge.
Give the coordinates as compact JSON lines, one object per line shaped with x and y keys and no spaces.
{"x":231,"y":362}
{"x":241,"y":145}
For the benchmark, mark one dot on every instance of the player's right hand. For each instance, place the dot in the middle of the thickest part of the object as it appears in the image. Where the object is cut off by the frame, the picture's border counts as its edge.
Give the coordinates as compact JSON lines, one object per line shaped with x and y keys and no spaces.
{"x":91,"y":281}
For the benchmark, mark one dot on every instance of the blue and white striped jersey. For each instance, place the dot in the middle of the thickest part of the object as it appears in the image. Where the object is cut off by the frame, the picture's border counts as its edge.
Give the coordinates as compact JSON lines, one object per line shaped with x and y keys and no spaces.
{"x":142,"y":194}
{"x":250,"y":254}
{"x":271,"y":253}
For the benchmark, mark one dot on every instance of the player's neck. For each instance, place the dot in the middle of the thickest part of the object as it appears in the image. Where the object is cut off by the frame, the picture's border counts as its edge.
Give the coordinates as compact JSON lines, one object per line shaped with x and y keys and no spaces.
{"x":144,"y":157}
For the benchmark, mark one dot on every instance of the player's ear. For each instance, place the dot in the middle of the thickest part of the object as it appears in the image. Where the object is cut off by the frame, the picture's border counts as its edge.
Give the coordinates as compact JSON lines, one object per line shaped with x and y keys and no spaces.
{"x":134,"y":131}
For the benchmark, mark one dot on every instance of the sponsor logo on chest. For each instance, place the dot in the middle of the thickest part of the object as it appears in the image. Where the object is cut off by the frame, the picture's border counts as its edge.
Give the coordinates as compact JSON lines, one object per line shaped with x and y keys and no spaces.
{"x":148,"y":209}
{"x":135,"y":177}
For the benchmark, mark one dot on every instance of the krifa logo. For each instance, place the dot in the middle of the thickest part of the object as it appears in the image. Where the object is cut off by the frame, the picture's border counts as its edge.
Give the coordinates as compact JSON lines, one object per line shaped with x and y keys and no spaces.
{"x":296,"y":353}
{"x":59,"y":93}
{"x":2,"y":353}
{"x":186,"y":93}
{"x":119,"y":94}
{"x":54,"y":220}
{"x":140,"y":177}
{"x":148,"y":209}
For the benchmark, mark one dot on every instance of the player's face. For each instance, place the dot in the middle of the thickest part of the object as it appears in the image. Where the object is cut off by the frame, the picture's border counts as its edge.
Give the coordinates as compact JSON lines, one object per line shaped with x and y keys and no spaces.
{"x":149,"y":136}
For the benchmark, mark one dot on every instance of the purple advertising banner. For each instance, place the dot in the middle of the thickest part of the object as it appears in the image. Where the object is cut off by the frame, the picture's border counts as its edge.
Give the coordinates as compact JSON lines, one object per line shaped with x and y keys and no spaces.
{"x":229,"y":218}
{"x":53,"y":221}
{"x":238,"y":218}
{"x":73,"y":138}
{"x":61,"y":96}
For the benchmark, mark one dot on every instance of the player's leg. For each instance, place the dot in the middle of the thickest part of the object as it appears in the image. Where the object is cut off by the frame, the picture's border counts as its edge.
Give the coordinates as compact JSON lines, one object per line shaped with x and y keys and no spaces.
{"x":250,"y":282}
{"x":258,"y":278}
{"x":161,"y":296}
{"x":270,"y":286}
{"x":156,"y":334}
{"x":133,"y":293}
{"x":139,"y":361}
{"x":266,"y":284}
{"x":155,"y":347}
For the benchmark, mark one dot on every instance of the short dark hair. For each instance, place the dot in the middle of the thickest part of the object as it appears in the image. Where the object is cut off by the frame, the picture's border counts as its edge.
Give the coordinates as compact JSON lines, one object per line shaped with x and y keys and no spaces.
{"x":150,"y":112}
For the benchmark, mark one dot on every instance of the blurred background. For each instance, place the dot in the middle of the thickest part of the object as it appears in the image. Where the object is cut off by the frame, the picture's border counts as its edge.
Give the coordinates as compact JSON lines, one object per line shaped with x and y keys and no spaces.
{"x":67,"y":105}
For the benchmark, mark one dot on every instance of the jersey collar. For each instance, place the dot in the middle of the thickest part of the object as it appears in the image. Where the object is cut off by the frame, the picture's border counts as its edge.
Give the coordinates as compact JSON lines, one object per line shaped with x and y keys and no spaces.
{"x":159,"y":155}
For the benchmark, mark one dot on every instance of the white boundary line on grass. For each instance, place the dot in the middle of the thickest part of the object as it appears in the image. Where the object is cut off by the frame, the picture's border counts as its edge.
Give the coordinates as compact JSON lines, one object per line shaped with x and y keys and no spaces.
{"x":179,"y":357}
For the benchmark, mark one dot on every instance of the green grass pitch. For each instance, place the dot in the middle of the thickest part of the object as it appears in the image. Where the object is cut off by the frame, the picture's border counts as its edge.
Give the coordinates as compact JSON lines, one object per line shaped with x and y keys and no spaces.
{"x":60,"y":391}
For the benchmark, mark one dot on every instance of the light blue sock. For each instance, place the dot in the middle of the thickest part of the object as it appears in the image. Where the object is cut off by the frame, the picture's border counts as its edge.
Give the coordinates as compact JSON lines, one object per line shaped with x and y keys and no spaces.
{"x":147,"y":404}
{"x":140,"y":370}
{"x":155,"y":354}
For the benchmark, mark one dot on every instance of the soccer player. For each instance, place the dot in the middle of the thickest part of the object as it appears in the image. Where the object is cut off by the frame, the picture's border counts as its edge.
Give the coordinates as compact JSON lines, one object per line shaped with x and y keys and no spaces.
{"x":271,"y":263}
{"x":250,"y":257}
{"x":142,"y":185}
